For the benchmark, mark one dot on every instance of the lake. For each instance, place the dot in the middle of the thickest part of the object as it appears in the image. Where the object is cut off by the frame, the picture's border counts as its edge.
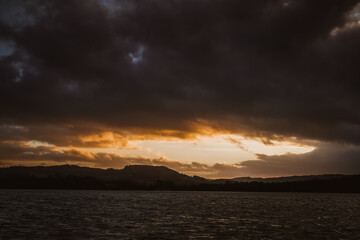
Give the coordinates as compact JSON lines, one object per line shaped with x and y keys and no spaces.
{"x":63,"y":214}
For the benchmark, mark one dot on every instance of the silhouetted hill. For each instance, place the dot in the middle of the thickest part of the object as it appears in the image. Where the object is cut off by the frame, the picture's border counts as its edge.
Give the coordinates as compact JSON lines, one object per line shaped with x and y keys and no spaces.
{"x":142,"y":177}
{"x":136,"y":174}
{"x":283,"y":179}
{"x":146,"y":174}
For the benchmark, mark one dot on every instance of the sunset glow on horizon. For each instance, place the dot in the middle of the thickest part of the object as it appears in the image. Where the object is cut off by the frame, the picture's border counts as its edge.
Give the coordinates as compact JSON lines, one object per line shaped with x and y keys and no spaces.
{"x":196,"y":155}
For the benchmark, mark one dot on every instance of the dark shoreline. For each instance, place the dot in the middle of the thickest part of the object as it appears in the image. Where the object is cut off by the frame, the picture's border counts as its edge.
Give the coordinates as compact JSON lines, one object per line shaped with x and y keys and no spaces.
{"x":170,"y":191}
{"x":151,"y":178}
{"x":349,"y":184}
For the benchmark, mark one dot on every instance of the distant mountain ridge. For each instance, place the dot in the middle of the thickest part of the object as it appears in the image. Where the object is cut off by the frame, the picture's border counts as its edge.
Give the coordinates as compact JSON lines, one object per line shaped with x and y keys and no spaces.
{"x":144,"y":174}
{"x":284,"y":179}
{"x":144,"y":177}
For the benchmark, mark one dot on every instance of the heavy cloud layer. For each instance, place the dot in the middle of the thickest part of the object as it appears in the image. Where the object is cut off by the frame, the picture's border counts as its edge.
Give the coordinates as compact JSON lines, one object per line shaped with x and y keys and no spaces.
{"x":258,"y":68}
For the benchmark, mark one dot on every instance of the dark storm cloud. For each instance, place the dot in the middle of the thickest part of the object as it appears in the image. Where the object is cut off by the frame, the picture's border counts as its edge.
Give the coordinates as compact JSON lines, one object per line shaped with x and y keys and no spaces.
{"x":324,"y":160}
{"x":262,"y":68}
{"x":23,"y":151}
{"x":271,"y":67}
{"x":64,"y":135}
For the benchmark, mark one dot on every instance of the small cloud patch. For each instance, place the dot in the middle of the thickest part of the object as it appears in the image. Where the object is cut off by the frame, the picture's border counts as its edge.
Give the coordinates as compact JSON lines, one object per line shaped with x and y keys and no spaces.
{"x":137,"y":56}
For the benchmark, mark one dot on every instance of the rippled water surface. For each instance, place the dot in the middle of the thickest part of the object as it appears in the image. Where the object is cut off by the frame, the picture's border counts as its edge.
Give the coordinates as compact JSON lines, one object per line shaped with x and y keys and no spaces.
{"x":44,"y":214}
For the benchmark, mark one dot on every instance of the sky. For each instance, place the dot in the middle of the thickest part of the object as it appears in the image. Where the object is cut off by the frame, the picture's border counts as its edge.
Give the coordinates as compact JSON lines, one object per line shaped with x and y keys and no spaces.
{"x":212,"y":88}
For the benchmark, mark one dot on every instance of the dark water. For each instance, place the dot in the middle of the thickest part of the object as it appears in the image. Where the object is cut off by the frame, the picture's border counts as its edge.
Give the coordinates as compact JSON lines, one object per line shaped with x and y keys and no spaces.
{"x":31,"y":214}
